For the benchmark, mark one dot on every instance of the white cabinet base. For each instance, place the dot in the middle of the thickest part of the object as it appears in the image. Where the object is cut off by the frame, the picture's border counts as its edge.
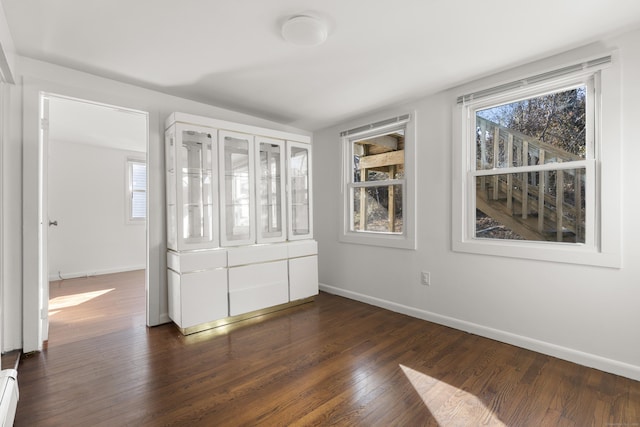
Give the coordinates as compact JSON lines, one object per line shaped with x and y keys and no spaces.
{"x":241,"y":317}
{"x":198,"y":297}
{"x":303,"y":277}
{"x":212,"y":288}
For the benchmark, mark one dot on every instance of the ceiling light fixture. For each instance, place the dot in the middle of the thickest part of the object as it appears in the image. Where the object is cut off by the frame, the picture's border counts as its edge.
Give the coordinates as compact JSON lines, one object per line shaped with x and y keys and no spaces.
{"x":304,"y":30}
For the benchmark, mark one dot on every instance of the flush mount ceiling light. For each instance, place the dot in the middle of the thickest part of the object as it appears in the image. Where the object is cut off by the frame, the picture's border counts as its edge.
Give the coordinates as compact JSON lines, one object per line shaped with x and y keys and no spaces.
{"x":304,"y":30}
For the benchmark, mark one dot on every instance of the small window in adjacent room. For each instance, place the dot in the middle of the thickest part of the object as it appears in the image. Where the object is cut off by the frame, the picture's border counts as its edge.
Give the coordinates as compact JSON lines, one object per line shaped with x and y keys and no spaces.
{"x":529,"y":159}
{"x":136,"y":190}
{"x":378,"y":183}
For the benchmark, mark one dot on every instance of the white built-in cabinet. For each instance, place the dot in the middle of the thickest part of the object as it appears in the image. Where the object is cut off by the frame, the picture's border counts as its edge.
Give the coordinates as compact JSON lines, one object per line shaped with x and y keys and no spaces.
{"x":239,"y":221}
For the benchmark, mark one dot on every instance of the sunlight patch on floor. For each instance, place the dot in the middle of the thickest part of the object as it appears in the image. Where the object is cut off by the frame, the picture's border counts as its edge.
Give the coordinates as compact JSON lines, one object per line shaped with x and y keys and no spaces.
{"x":450,"y":405}
{"x":58,"y":303}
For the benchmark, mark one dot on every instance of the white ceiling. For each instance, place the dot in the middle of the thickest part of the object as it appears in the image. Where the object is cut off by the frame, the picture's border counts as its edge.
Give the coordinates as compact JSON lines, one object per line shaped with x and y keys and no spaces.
{"x":230,"y":53}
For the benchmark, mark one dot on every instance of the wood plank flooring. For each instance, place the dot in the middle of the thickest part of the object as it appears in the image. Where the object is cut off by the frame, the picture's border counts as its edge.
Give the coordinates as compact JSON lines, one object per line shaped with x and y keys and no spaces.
{"x":331,"y":362}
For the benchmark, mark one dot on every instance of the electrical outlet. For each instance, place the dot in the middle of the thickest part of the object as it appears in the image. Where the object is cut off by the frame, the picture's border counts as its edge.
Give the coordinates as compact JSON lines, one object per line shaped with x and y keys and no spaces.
{"x":425,"y":278}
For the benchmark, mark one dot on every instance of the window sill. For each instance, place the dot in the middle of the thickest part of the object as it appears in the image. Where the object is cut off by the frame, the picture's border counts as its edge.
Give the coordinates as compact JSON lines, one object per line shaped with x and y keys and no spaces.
{"x":136,"y":221}
{"x":388,"y":240}
{"x":554,"y":252}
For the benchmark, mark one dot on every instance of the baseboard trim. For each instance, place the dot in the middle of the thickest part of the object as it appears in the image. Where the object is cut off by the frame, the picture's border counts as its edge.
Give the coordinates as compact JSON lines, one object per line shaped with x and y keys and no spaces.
{"x":162,"y":319}
{"x":75,"y":275}
{"x":565,"y":353}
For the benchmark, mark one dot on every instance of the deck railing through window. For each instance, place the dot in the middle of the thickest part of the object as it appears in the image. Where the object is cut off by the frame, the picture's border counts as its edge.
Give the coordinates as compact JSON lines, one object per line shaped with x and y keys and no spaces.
{"x":542,"y":205}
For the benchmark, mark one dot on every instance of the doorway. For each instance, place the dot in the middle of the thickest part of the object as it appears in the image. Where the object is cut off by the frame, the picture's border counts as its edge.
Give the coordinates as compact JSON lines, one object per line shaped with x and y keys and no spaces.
{"x":93,"y":197}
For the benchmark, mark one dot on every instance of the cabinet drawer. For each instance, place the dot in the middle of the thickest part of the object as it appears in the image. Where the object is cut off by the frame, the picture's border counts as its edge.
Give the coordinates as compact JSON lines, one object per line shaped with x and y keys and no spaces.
{"x":184,"y":262}
{"x":257,"y":286}
{"x":257,"y":253}
{"x":303,"y":248}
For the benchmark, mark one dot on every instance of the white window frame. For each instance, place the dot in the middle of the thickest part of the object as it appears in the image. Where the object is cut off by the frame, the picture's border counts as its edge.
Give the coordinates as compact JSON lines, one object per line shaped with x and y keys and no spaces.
{"x":602,"y":163}
{"x":130,"y":219}
{"x":406,"y":239}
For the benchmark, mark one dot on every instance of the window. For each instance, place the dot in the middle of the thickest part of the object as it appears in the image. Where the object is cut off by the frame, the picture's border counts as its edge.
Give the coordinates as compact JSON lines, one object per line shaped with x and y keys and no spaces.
{"x":529,"y":156}
{"x":532,"y":166}
{"x":378,"y":183}
{"x":136,"y":190}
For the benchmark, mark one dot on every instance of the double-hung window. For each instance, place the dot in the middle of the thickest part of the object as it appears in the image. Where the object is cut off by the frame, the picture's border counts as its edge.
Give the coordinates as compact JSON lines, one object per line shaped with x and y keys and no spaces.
{"x":136,"y":190}
{"x":526,"y":174}
{"x":378,"y":183}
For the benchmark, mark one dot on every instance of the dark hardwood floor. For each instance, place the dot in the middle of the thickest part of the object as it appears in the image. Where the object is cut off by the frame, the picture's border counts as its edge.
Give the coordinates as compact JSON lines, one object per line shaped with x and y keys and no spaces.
{"x":331,"y":362}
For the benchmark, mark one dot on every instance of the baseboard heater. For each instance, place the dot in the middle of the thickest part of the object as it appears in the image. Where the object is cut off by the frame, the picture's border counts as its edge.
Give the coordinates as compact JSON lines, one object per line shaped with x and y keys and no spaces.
{"x":8,"y":396}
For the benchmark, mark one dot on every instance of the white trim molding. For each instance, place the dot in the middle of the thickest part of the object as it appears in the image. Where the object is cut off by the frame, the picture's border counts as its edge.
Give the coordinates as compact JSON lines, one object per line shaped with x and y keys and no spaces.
{"x":76,"y":274}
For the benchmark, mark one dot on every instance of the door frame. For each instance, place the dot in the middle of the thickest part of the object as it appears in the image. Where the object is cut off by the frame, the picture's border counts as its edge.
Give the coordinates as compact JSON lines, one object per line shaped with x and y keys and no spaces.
{"x":34,"y":206}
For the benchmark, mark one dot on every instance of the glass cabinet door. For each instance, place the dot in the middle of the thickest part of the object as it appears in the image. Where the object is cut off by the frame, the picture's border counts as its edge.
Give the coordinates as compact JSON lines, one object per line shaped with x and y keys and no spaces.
{"x":196,"y":157}
{"x":270,"y":190}
{"x":237,"y":189}
{"x":170,"y":164}
{"x":299,"y":184}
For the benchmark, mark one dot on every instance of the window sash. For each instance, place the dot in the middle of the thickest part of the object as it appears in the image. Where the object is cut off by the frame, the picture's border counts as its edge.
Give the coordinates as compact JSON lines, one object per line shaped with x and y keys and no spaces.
{"x":532,"y":168}
{"x":384,"y":183}
{"x":591,"y":200}
{"x":349,"y":152}
{"x":592,"y":83}
{"x":137,"y":190}
{"x":351,"y":137}
{"x":138,"y":204}
{"x":353,"y":187}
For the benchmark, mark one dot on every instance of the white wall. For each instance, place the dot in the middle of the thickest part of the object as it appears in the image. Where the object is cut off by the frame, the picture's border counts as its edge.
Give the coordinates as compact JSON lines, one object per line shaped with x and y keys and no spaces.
{"x":11,"y":225}
{"x":7,"y":50}
{"x":20,"y":183}
{"x":585,"y":314}
{"x":7,"y":64}
{"x":87,"y":197}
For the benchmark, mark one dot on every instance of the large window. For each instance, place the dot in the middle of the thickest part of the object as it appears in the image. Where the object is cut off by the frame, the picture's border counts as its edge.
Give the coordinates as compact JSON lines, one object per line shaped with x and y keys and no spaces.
{"x":136,"y":190}
{"x":529,"y":157}
{"x":378,"y":183}
{"x":533,"y":158}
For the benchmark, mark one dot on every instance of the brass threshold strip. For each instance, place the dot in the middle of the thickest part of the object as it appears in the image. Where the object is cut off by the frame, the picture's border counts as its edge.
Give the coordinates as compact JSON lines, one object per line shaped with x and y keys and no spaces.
{"x":240,"y":317}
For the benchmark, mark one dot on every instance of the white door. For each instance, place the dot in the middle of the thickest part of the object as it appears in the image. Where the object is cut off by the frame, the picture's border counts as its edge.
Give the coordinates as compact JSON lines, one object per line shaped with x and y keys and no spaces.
{"x":2,"y":122}
{"x":44,"y":220}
